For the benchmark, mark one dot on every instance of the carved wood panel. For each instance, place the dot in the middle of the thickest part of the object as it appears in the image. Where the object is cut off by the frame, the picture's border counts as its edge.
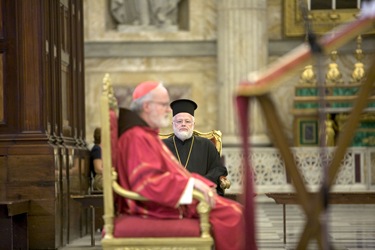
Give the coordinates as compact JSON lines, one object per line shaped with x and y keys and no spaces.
{"x":41,"y":67}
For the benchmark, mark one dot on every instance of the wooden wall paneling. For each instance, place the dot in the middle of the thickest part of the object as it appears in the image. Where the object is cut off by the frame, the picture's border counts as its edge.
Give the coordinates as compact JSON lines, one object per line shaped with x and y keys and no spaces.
{"x":9,"y":124}
{"x":60,"y":68}
{"x":51,"y":72}
{"x":30,"y":176}
{"x":80,"y":75}
{"x":59,"y":161}
{"x":47,"y":73}
{"x":1,"y":19}
{"x":1,"y":87}
{"x":73,"y":171}
{"x":30,"y":57}
{"x":65,"y":69}
{"x":77,"y":186}
{"x":77,"y":66}
{"x":77,"y":171}
{"x":47,"y":222}
{"x":54,"y":68}
{"x":71,"y":40}
{"x":3,"y":176}
{"x":31,"y":164}
{"x":57,"y":66}
{"x":66,"y":97}
{"x":1,"y":66}
{"x":66,"y":110}
{"x":85,"y":170}
{"x":23,"y":115}
{"x":38,"y":57}
{"x":76,"y":226}
{"x":64,"y":155}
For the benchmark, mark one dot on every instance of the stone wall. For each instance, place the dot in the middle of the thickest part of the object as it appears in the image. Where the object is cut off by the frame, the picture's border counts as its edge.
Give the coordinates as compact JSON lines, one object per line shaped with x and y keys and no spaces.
{"x":187,"y":61}
{"x":184,"y":60}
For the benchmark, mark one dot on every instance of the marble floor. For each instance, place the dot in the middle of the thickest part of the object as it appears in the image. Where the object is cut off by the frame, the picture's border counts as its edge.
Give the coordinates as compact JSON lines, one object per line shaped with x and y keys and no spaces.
{"x":350,"y":227}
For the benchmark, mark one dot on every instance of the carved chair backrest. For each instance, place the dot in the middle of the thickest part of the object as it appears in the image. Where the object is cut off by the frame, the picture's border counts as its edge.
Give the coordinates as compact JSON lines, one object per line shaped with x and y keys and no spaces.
{"x":213,"y":135}
{"x":109,"y":140}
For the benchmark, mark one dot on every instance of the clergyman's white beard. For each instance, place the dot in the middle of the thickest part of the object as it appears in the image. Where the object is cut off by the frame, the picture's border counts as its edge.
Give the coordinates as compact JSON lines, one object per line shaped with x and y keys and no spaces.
{"x":184,"y":135}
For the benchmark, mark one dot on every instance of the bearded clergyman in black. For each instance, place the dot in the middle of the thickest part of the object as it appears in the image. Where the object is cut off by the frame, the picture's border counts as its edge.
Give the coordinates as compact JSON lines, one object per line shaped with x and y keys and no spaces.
{"x":195,"y":153}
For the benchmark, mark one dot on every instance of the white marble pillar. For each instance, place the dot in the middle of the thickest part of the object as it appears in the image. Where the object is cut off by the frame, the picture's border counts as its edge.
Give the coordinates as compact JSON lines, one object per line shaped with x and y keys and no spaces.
{"x":242,"y":48}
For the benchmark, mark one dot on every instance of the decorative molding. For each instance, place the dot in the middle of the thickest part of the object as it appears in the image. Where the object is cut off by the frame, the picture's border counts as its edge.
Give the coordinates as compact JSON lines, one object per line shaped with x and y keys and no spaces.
{"x":149,"y":49}
{"x":281,"y":47}
{"x":204,"y":48}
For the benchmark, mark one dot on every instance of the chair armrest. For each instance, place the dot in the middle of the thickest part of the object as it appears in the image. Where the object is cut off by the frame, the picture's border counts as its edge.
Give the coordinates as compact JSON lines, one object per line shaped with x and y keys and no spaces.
{"x":123,"y":192}
{"x":126,"y":193}
{"x":203,"y":210}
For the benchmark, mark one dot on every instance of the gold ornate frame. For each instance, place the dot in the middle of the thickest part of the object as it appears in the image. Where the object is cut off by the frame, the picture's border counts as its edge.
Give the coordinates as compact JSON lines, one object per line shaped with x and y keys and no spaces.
{"x":322,"y":20}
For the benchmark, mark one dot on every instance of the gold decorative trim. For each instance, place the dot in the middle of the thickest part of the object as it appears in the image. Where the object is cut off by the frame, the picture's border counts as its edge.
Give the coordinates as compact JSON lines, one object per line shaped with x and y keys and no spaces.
{"x":322,"y":20}
{"x":213,"y":135}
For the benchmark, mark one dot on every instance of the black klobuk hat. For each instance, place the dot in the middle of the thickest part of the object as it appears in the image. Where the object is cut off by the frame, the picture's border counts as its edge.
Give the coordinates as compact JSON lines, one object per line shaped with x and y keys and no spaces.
{"x":183,"y":106}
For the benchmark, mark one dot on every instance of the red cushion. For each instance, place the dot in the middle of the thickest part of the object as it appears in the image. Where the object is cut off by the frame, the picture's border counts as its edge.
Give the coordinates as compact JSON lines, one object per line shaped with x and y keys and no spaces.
{"x":113,"y":128}
{"x":134,"y":226}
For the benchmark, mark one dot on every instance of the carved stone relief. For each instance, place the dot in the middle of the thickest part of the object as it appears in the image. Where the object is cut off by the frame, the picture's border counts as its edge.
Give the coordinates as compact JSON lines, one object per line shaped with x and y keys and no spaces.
{"x":145,"y":15}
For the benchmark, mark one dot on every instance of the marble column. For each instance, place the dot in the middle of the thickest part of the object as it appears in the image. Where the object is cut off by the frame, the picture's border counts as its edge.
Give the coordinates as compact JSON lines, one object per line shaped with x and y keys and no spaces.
{"x":242,"y":48}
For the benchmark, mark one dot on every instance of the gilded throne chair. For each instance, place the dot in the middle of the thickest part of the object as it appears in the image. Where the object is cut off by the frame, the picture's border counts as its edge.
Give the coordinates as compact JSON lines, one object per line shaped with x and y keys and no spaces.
{"x":132,"y":231}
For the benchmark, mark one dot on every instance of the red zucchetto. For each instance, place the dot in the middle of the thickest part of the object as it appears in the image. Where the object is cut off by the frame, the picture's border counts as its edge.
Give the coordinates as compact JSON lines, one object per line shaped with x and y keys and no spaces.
{"x":144,"y":88}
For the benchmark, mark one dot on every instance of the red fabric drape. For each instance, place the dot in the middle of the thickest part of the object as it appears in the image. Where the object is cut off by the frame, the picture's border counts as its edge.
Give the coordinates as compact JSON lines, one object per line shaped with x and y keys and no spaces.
{"x":114,"y":131}
{"x":248,"y":194}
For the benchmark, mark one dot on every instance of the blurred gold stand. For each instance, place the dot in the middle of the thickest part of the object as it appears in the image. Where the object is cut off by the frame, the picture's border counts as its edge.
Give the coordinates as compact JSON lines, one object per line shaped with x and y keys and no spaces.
{"x":261,"y":84}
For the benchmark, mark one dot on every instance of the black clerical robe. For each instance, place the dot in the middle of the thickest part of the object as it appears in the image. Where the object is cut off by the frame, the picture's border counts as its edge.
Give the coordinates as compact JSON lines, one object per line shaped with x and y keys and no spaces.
{"x":204,"y":158}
